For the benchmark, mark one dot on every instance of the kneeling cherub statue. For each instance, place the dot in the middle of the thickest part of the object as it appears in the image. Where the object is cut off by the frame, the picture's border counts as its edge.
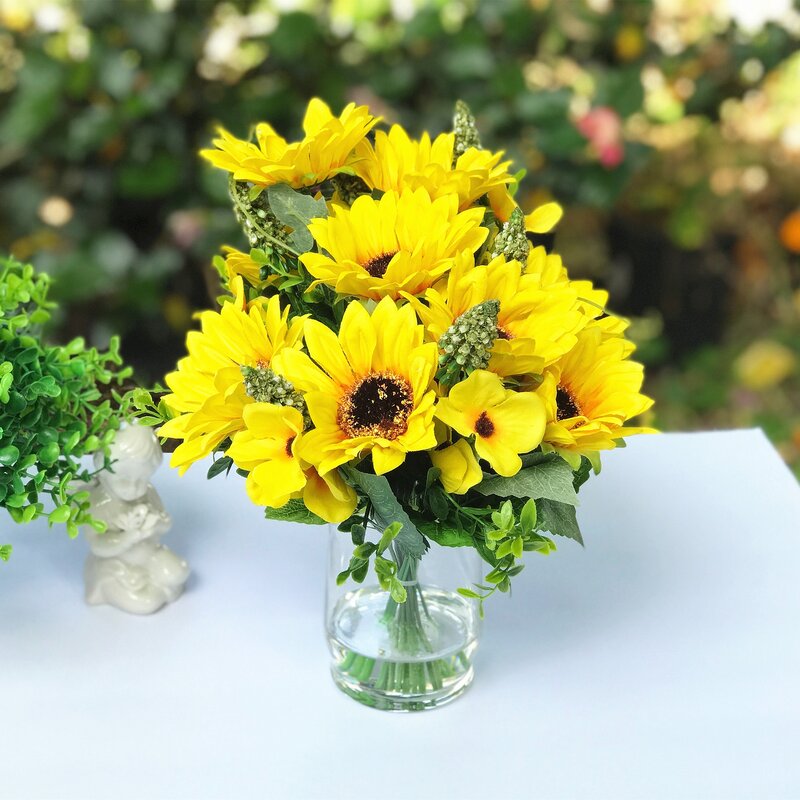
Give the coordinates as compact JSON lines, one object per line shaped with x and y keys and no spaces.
{"x":128,"y":566}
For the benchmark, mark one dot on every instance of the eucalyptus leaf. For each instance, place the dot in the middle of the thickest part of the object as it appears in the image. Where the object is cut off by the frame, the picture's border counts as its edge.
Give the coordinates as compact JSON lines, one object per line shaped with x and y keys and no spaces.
{"x":549,"y":479}
{"x":295,"y":210}
{"x":386,"y":510}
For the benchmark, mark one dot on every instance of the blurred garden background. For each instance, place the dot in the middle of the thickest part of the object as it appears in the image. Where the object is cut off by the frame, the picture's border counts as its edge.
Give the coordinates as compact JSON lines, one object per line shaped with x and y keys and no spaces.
{"x":669,"y":130}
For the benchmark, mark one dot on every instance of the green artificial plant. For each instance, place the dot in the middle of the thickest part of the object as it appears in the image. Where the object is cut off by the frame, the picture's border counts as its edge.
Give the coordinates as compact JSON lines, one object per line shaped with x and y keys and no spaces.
{"x":57,"y":405}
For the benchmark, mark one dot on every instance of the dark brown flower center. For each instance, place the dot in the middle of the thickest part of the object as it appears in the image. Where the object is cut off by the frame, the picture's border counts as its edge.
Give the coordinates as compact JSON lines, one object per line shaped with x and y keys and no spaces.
{"x":378,"y":265}
{"x":289,"y":443}
{"x":378,"y":405}
{"x":484,"y":427}
{"x":502,"y":333}
{"x":566,"y":405}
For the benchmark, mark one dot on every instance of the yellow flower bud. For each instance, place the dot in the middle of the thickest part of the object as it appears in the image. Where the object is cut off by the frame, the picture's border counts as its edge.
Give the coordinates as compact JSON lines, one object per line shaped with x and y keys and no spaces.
{"x":459,"y":467}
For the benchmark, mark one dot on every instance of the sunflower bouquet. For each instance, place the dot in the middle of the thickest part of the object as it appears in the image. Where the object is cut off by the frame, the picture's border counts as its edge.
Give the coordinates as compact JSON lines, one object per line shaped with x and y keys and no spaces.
{"x":395,"y":354}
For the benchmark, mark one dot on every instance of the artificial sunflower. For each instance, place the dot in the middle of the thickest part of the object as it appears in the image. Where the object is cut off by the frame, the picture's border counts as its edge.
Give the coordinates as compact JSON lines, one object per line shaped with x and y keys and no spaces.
{"x":504,"y":423}
{"x":535,"y":327}
{"x":208,"y":391}
{"x":403,"y":242}
{"x":398,"y":162}
{"x":325,"y":151}
{"x":590,"y":393}
{"x":267,"y":448}
{"x":367,"y":389}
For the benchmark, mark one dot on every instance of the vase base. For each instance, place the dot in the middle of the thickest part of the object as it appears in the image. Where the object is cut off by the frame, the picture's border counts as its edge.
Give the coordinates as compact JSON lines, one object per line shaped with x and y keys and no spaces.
{"x":369,"y":695}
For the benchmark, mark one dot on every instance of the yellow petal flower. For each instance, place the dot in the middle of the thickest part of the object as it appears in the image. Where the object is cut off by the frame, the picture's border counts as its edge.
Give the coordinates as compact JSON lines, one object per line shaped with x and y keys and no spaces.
{"x":268,"y":449}
{"x":327,"y":149}
{"x":459,"y":467}
{"x":273,"y":483}
{"x":328,"y":496}
{"x":400,"y":243}
{"x":505,"y":423}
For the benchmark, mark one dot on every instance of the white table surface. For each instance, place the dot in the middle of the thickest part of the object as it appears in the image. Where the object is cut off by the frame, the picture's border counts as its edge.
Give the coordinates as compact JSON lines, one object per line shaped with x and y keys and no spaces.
{"x":663,"y":661}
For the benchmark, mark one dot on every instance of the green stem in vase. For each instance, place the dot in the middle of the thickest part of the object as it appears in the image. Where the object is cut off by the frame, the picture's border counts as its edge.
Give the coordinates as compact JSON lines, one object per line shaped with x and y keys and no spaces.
{"x":405,"y":671}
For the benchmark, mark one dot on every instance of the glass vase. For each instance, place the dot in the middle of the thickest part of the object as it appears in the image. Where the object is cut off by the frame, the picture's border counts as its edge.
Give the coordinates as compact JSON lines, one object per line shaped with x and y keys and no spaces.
{"x":407,"y":656}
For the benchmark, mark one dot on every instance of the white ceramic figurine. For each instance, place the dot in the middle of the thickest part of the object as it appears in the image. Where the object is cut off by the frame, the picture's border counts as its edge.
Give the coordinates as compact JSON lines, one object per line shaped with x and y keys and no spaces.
{"x":129,"y":567}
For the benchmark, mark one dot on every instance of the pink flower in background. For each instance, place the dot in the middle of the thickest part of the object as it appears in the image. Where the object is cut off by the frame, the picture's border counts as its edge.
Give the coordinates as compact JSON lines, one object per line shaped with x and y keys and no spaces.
{"x":602,"y":126}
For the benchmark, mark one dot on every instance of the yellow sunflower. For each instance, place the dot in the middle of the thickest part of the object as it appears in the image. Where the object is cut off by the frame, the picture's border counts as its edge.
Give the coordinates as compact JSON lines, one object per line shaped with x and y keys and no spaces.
{"x":589,"y":395}
{"x":535,"y":326}
{"x":367,"y":390}
{"x":268,"y":447}
{"x":208,"y":392}
{"x":326,"y":149}
{"x":399,"y":162}
{"x":400,"y":243}
{"x":504,"y":423}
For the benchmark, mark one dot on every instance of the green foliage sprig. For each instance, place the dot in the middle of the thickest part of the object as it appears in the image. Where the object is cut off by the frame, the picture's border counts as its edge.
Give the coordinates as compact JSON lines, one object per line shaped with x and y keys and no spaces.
{"x":57,"y":405}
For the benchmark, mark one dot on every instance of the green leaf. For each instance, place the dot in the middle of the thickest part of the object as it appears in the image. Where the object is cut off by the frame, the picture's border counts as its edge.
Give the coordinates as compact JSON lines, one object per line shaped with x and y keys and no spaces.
{"x":342,"y":577}
{"x":5,"y":552}
{"x":529,"y":459}
{"x":397,"y":591}
{"x":219,"y":466}
{"x":527,"y":516}
{"x":386,"y":510}
{"x":559,"y":518}
{"x":432,"y":477}
{"x":436,"y":500}
{"x":287,"y":283}
{"x":505,"y":548}
{"x":446,"y":537}
{"x":388,"y":536}
{"x":294,"y":511}
{"x":59,"y":515}
{"x":364,"y":551}
{"x":49,"y":453}
{"x":550,"y":479}
{"x":9,"y":455}
{"x":582,"y":474}
{"x":296,"y":210}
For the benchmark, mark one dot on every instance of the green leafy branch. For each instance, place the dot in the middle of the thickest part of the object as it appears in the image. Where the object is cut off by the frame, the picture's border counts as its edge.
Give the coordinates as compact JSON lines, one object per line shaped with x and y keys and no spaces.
{"x":139,"y":404}
{"x":58,"y":404}
{"x":387,"y":570}
{"x":511,"y":535}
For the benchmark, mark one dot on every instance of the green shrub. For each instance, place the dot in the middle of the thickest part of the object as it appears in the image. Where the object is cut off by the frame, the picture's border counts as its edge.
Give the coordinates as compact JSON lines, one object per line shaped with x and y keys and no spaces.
{"x":57,"y":405}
